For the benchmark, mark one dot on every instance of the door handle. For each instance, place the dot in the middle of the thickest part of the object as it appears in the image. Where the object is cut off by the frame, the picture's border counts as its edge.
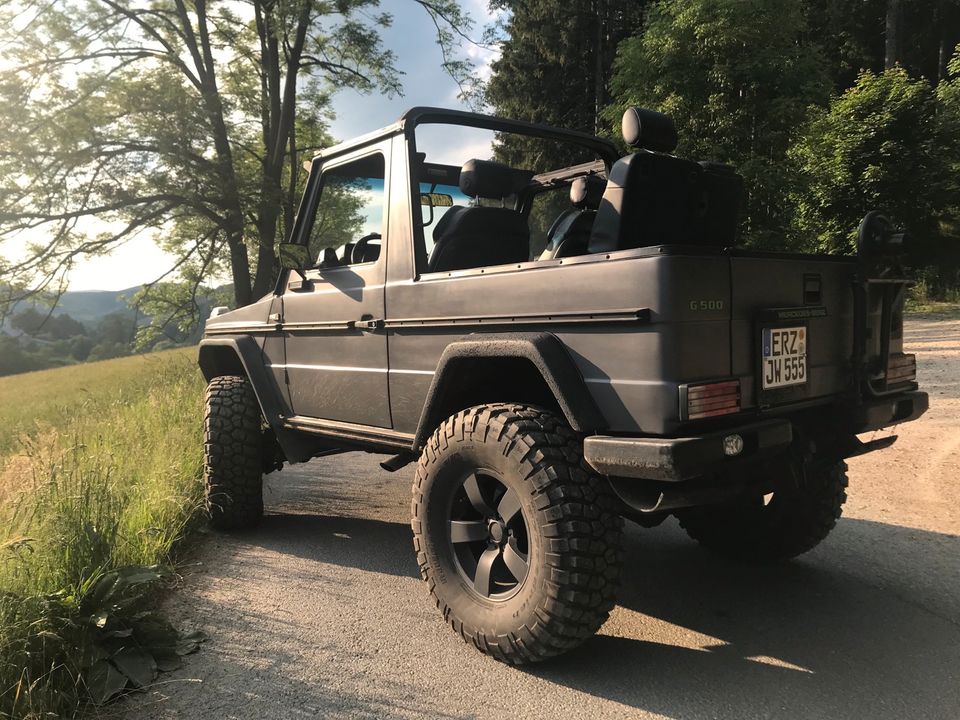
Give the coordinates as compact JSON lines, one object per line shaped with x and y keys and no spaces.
{"x":368,"y":322}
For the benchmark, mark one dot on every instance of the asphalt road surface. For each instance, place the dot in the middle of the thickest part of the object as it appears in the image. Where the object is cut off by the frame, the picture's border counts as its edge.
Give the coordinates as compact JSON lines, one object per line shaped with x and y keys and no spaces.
{"x":321,"y":612}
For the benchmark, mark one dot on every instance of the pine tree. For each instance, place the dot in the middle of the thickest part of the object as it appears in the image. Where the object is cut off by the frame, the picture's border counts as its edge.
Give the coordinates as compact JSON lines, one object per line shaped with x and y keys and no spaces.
{"x":555,"y":69}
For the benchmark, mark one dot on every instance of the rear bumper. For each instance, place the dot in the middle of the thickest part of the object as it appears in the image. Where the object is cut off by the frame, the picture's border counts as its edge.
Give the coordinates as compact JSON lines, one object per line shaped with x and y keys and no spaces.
{"x":892,"y":410}
{"x":674,"y":459}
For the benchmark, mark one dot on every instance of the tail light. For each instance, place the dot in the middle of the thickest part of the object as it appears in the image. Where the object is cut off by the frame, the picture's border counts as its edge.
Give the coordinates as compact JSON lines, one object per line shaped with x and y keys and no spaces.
{"x":901,"y":368}
{"x":710,"y":399}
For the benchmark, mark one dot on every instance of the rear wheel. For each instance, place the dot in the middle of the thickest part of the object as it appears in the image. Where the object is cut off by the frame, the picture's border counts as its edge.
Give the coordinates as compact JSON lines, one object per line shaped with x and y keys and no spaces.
{"x":518,"y":540}
{"x":790,"y":521}
{"x":233,"y":454}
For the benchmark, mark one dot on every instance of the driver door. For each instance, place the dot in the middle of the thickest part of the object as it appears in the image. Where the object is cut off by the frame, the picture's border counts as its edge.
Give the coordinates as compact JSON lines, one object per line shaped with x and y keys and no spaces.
{"x":335,"y":347}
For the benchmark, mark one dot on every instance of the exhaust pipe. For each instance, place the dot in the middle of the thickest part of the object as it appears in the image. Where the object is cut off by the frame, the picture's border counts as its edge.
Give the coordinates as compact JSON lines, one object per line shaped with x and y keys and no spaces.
{"x":653,"y":497}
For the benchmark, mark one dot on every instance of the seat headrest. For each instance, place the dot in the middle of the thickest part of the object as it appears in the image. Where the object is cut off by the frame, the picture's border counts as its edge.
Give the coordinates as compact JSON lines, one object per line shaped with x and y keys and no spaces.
{"x":649,"y":129}
{"x":586,"y":192}
{"x":492,"y":180}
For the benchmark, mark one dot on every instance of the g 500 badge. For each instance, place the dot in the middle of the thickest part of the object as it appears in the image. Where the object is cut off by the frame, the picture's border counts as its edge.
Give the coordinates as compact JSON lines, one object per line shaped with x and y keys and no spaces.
{"x":706,"y":305}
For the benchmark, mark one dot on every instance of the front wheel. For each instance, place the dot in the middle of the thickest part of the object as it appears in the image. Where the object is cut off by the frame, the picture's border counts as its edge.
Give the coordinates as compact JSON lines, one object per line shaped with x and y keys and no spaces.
{"x":232,"y":454}
{"x":518,"y":540}
{"x":795,"y":518}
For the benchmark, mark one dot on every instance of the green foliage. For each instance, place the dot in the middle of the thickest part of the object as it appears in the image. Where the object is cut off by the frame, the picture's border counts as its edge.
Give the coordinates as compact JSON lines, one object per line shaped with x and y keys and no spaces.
{"x":13,"y":359}
{"x":50,"y":341}
{"x":120,"y":118}
{"x":339,"y":218}
{"x":93,"y":509}
{"x":884,"y":143}
{"x":554,"y":69}
{"x":106,"y":639}
{"x":737,"y":77}
{"x":53,"y":327}
{"x":166,"y":317}
{"x":175,"y":309}
{"x":948,"y":97}
{"x":851,"y":35}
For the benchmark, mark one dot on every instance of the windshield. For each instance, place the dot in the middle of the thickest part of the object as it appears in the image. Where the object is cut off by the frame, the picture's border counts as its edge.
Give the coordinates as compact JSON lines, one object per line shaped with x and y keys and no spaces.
{"x":432,"y":210}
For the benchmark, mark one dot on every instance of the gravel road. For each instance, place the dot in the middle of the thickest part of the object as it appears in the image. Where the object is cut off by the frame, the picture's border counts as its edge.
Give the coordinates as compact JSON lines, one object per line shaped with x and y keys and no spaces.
{"x":321,"y":611}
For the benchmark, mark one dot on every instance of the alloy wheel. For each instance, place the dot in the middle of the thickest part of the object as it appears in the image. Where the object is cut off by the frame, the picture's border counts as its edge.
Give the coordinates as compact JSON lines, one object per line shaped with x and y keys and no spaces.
{"x":488,"y":536}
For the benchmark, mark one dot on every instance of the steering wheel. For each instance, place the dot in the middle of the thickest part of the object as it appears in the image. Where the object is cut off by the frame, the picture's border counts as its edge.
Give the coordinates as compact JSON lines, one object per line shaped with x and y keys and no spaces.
{"x":356,"y":255}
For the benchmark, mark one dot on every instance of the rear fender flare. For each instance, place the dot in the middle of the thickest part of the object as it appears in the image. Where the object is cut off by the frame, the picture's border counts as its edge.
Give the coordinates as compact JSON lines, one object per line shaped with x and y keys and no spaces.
{"x":544,"y":351}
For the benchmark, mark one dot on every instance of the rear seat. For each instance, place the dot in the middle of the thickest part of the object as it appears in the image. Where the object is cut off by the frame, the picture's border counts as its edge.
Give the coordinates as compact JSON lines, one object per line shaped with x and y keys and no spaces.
{"x":654,"y":198}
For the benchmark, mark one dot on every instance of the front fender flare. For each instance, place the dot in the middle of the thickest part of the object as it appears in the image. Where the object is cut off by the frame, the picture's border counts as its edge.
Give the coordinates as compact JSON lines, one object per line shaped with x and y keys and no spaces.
{"x":242,"y":355}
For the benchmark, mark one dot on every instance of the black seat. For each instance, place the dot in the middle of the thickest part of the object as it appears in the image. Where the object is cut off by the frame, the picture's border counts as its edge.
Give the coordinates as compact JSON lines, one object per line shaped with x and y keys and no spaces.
{"x":653,"y":198}
{"x":570,"y":233}
{"x":477,"y":236}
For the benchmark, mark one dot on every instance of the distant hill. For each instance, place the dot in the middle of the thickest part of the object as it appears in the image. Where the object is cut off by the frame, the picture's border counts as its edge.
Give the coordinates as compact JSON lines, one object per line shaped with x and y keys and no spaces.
{"x":91,"y":325}
{"x":89,"y":306}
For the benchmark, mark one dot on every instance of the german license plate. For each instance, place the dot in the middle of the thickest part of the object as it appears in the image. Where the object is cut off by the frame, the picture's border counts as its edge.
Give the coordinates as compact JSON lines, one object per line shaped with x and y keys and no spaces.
{"x":784,"y":356}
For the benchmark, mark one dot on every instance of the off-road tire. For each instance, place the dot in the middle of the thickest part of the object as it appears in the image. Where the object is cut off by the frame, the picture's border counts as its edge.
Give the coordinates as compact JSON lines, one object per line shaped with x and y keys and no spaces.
{"x":233,"y":454}
{"x":574,"y":529}
{"x":798,"y":517}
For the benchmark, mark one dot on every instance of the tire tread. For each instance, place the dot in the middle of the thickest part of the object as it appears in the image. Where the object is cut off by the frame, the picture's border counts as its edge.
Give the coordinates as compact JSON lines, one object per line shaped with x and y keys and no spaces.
{"x":582,"y":528}
{"x":233,"y":450}
{"x":766,"y":534}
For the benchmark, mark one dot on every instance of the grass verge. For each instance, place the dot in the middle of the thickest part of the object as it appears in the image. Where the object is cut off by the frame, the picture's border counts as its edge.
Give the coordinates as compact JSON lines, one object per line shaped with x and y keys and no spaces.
{"x":940,"y":308}
{"x":104,"y":486}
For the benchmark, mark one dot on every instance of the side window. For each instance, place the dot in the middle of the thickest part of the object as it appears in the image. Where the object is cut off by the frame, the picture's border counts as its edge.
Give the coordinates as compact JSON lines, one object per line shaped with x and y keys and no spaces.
{"x":348,"y":223}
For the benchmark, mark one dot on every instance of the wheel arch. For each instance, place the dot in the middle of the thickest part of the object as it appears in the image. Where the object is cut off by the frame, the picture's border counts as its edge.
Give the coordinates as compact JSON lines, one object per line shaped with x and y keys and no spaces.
{"x":241,"y":355}
{"x":533,"y":368}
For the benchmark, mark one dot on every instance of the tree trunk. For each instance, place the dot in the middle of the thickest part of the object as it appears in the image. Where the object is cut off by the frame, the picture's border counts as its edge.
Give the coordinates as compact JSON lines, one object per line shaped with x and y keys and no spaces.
{"x":943,"y":50}
{"x":598,"y":68}
{"x":894,"y":23}
{"x":283,"y":95}
{"x":240,"y":271}
{"x":199,"y":45}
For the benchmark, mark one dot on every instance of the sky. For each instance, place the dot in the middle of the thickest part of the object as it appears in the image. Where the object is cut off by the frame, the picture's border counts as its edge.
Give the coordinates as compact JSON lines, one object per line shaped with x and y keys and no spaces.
{"x":412,"y":38}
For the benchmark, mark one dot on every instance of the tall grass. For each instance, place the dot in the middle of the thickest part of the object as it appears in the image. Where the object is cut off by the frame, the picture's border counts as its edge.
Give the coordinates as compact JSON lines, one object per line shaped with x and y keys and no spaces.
{"x":107,"y":476}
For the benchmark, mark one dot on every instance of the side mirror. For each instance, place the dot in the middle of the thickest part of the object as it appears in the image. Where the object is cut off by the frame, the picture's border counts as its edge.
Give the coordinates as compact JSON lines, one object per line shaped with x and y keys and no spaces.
{"x":293,"y":256}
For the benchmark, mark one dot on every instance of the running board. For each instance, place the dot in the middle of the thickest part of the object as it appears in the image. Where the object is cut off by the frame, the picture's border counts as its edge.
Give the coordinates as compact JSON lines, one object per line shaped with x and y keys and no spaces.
{"x":351,"y":433}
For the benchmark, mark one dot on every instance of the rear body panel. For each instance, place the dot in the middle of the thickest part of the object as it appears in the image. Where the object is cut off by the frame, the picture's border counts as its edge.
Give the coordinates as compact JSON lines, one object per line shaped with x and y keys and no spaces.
{"x":701,"y":319}
{"x":811,"y":293}
{"x":625,"y":318}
